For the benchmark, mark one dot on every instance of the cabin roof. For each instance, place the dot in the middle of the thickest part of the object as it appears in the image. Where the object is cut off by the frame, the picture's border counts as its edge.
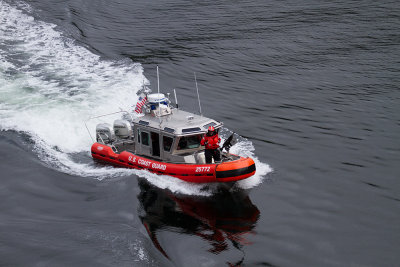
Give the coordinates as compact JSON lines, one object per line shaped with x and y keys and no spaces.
{"x":180,"y":122}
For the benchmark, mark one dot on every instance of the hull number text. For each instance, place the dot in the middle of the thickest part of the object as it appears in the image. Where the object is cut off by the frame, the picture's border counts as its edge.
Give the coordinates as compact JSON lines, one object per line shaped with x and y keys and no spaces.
{"x":202,"y":169}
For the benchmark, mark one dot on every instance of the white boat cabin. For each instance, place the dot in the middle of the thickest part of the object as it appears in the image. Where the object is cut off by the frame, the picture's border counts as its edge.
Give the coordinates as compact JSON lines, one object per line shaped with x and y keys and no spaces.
{"x":161,"y":132}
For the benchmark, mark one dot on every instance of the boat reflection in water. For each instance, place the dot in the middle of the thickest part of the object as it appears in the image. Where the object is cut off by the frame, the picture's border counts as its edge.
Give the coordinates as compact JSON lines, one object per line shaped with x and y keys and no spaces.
{"x":224,"y":219}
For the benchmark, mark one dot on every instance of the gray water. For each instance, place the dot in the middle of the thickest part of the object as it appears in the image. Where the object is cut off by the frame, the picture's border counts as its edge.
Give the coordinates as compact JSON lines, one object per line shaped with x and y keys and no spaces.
{"x":312,"y":88}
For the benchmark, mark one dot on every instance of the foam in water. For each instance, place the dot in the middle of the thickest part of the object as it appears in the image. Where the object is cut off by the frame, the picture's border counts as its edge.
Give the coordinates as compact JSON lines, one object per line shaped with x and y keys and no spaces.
{"x":245,"y":148}
{"x":49,"y":85}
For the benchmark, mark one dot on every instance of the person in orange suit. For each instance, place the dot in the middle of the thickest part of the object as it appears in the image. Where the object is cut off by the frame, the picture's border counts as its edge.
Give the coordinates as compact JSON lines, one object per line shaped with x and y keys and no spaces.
{"x":211,"y":141}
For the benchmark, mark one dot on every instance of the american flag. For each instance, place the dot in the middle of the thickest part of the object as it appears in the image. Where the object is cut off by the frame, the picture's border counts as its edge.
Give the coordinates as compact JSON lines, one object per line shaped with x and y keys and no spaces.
{"x":140,"y":104}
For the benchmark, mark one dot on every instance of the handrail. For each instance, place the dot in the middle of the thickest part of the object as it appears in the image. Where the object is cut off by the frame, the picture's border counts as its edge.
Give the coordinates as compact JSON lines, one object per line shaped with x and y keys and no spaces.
{"x":101,"y":138}
{"x":96,"y":117}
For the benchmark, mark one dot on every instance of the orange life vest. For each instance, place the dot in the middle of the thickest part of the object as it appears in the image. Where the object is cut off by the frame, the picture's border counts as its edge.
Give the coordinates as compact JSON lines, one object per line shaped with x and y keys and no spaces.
{"x":211,"y":142}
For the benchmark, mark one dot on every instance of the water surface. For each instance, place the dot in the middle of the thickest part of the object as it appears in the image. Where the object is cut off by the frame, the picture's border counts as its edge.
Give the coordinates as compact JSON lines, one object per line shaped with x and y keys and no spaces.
{"x":312,"y":88}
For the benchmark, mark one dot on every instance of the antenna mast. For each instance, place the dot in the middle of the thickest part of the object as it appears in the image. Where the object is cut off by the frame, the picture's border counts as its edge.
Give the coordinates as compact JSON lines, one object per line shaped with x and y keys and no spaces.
{"x":198,"y":96}
{"x":176,"y":100}
{"x":158,"y":90}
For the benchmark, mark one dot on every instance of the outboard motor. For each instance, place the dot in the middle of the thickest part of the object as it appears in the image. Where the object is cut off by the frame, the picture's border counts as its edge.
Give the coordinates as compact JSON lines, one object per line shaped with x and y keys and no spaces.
{"x":123,"y":129}
{"x":105,"y":133}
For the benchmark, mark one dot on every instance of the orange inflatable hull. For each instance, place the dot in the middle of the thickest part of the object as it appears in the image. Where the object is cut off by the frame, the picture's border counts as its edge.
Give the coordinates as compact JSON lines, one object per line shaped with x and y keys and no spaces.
{"x":195,"y":173}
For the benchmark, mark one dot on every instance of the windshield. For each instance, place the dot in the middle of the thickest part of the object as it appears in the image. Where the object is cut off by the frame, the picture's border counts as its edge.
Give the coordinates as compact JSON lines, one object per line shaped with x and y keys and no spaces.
{"x":189,"y":142}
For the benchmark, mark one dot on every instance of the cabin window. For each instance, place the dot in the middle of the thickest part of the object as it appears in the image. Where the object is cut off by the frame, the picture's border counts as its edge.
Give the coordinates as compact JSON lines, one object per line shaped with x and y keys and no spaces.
{"x":167,"y":143}
{"x":144,"y":122}
{"x":189,"y":142}
{"x":145,"y":138}
{"x":138,"y":134}
{"x":170,"y":130}
{"x":189,"y":130}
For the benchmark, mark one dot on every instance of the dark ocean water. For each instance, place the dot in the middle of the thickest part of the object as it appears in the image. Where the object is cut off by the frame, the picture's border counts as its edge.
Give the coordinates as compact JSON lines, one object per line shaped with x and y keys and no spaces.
{"x":312,"y":87}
